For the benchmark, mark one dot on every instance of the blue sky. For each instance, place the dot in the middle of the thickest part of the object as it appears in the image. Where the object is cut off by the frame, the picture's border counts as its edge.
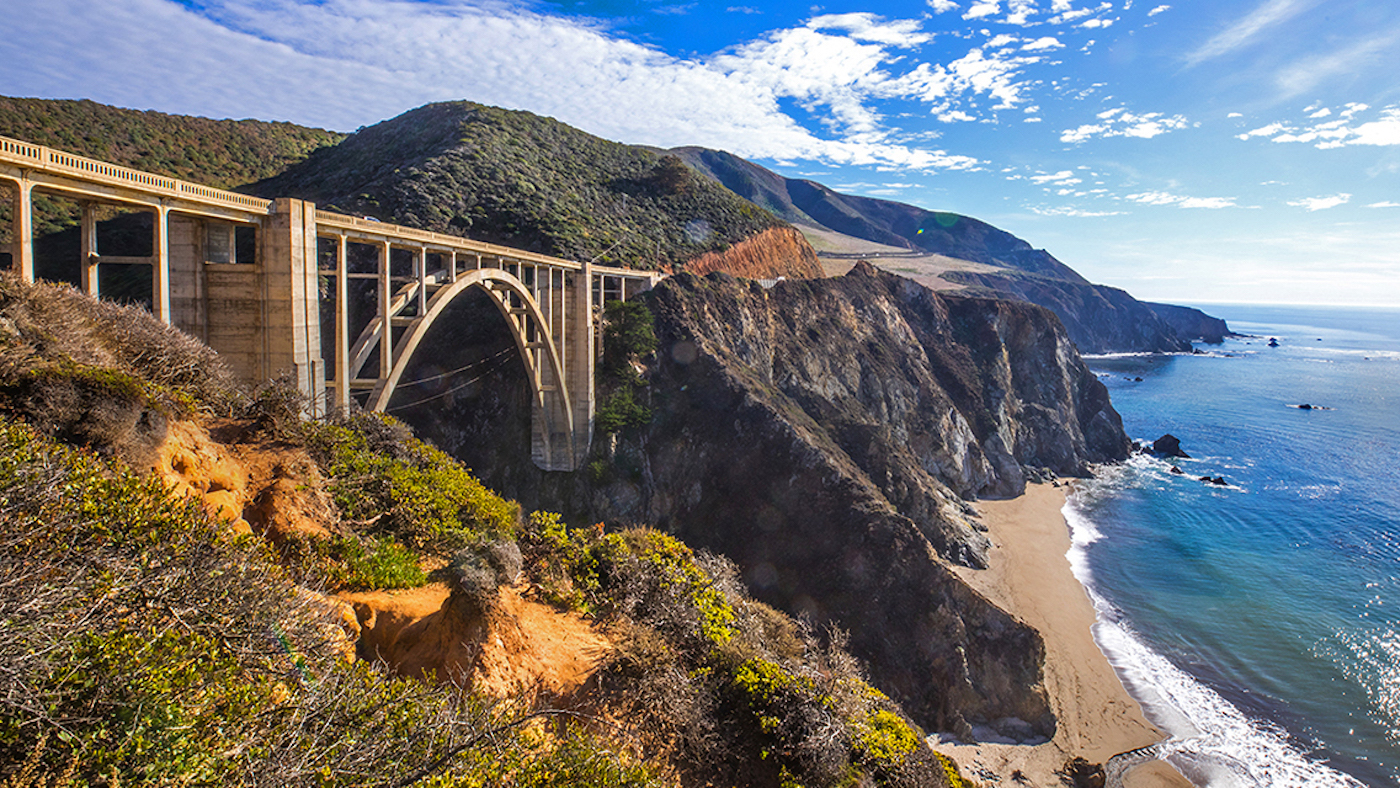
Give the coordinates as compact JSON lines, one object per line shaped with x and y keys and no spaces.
{"x":1232,"y":150}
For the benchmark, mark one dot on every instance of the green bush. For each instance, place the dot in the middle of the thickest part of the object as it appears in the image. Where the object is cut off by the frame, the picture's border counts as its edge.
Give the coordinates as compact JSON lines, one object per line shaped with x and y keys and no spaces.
{"x":142,"y":647}
{"x":383,"y":478}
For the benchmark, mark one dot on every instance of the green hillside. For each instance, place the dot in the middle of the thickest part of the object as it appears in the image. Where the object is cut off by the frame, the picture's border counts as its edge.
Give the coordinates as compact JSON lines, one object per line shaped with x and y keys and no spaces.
{"x":222,"y":153}
{"x":522,"y":180}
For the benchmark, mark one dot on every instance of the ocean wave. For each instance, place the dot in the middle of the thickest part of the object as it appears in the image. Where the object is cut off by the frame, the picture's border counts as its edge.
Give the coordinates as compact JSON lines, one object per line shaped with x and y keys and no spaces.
{"x":1212,"y":742}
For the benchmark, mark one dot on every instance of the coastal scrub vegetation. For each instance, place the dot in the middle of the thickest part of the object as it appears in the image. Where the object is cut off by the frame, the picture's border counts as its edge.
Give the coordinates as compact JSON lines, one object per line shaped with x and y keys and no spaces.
{"x":628,"y":338}
{"x":147,"y":642}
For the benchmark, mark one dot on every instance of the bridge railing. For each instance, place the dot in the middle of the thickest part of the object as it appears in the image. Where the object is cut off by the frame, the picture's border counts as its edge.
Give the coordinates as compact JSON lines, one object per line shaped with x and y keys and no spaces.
{"x":49,"y":160}
{"x":434,"y":241}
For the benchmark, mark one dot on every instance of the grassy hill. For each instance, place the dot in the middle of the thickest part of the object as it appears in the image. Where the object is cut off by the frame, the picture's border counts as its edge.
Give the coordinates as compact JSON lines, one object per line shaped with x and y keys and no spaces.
{"x":526,"y":181}
{"x":222,"y":153}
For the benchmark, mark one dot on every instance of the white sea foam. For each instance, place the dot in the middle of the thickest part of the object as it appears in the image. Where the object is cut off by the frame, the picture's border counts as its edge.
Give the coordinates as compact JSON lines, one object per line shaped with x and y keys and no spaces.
{"x":1212,"y":742}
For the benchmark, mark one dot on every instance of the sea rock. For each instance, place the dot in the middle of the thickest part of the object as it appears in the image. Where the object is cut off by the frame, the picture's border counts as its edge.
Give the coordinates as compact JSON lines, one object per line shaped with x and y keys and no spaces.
{"x":1168,"y":446}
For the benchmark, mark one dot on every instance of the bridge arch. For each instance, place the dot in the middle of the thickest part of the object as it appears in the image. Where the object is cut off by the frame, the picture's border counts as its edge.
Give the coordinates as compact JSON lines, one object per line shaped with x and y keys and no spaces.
{"x":554,"y":442}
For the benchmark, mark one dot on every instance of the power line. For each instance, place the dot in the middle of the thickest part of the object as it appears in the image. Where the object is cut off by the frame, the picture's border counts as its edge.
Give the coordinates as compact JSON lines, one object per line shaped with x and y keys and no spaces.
{"x":455,"y":371}
{"x":442,"y":394}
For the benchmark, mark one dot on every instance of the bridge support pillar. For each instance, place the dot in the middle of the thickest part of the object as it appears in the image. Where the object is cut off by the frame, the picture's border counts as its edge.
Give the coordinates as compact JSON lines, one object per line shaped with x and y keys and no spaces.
{"x":87,"y":271}
{"x":291,"y":334}
{"x":22,"y":229}
{"x":580,"y":357}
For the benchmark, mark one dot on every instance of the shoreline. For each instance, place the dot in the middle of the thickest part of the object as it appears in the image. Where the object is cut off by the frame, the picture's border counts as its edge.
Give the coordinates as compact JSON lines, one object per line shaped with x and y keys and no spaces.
{"x":1029,"y":576}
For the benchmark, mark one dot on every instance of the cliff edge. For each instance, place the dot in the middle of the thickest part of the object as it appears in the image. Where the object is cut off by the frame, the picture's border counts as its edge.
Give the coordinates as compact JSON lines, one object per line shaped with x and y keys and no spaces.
{"x":824,"y":435}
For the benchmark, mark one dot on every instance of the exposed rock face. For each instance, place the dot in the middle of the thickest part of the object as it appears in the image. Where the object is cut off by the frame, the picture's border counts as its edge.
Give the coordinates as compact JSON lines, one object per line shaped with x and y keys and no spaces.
{"x":1168,"y":446}
{"x":822,"y":434}
{"x":1099,"y":319}
{"x":1192,"y":323}
{"x":780,"y":251}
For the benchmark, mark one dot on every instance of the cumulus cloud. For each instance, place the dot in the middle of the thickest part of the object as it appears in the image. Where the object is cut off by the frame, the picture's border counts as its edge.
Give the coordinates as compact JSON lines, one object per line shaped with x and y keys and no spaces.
{"x":1384,"y":204}
{"x":980,"y":9}
{"x":1158,"y":10}
{"x":1062,"y":177}
{"x":1042,"y":44}
{"x":1067,"y":14}
{"x":1343,"y":131}
{"x":1166,"y":198}
{"x":1320,"y":203}
{"x":1119,"y":122}
{"x":357,"y":62}
{"x":942,"y":6}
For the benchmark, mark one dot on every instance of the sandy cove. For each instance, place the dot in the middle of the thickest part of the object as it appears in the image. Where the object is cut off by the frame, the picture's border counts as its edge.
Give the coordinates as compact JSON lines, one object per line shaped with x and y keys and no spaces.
{"x":1030,"y":577}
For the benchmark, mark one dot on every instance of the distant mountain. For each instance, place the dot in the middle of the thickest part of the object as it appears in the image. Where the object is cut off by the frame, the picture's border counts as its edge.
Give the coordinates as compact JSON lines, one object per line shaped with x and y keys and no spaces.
{"x":804,"y":202}
{"x":1098,"y":318}
{"x":526,"y":181}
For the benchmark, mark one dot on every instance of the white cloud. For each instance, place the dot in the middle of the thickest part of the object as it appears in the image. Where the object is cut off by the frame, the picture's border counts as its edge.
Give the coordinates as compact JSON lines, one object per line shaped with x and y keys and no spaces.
{"x":983,"y":8}
{"x":1042,"y":44}
{"x":1235,"y":115}
{"x":1066,"y":14}
{"x":1243,"y":32}
{"x":1166,"y":198}
{"x":1093,"y":23}
{"x":1061,"y":177}
{"x":1383,"y":131}
{"x":941,"y":6}
{"x":1158,"y":10}
{"x":1119,"y":122}
{"x":1320,"y":203}
{"x":1385,"y":204}
{"x":350,"y":63}
{"x":1003,"y":40}
{"x":1074,"y":212}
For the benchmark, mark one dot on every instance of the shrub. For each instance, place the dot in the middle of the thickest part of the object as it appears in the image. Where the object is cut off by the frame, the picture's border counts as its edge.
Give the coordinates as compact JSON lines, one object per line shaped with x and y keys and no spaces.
{"x":378,"y":473}
{"x":143,"y":647}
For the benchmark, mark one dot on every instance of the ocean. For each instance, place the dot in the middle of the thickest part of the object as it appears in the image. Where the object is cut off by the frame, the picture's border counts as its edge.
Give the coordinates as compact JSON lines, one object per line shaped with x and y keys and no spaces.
{"x":1258,"y":622}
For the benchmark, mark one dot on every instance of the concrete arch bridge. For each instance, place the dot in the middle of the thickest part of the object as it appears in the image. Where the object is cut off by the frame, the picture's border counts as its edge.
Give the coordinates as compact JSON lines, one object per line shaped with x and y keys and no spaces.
{"x":268,"y":284}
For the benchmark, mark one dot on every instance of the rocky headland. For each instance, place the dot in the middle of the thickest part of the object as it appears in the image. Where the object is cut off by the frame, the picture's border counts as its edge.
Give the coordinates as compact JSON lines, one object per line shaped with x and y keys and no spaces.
{"x":827,"y":435}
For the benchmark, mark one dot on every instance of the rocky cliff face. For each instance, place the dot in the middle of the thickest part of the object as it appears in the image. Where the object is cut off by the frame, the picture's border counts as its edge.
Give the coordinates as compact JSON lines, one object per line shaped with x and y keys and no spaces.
{"x":824,"y":435}
{"x":1099,"y":319}
{"x":1192,"y":323}
{"x":779,"y":251}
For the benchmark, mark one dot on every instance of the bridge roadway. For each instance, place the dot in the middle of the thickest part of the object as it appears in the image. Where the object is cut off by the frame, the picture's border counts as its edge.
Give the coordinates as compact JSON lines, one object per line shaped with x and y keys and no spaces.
{"x":268,"y":316}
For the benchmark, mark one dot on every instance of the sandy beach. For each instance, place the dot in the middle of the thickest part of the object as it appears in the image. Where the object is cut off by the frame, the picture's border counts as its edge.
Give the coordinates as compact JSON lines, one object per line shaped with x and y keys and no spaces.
{"x":1030,"y":577}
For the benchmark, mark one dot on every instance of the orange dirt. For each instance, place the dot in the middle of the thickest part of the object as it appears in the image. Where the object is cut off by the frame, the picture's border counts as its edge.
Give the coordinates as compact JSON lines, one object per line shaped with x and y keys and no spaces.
{"x":518,"y":645}
{"x":277,"y":492}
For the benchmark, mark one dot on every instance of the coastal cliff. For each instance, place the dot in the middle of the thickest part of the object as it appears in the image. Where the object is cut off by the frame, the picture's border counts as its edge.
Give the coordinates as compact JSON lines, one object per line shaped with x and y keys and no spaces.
{"x":824,"y":435}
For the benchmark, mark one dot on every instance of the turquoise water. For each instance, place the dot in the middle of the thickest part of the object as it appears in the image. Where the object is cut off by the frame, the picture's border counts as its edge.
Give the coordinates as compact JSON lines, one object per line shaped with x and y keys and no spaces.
{"x":1259,"y":622}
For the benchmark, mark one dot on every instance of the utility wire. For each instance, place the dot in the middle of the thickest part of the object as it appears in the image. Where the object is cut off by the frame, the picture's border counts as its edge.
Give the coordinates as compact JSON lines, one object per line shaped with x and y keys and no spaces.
{"x":442,"y":394}
{"x":455,"y":371}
